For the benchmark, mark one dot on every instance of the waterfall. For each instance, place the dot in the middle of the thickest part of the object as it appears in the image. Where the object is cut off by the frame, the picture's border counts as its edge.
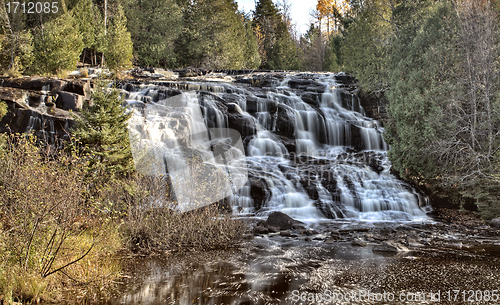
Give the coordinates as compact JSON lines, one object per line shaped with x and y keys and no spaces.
{"x":311,"y":154}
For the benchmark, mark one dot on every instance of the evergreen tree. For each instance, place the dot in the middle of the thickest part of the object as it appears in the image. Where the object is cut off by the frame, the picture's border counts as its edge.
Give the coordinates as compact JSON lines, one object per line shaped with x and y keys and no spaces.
{"x":57,"y":44}
{"x":16,"y":42}
{"x":119,"y":49}
{"x":422,"y":83}
{"x":154,"y":26}
{"x":276,"y":47}
{"x":252,"y":57}
{"x":333,"y":56}
{"x":103,"y":130}
{"x":83,"y":13}
{"x":312,"y":48}
{"x":366,"y":49}
{"x":214,"y":35}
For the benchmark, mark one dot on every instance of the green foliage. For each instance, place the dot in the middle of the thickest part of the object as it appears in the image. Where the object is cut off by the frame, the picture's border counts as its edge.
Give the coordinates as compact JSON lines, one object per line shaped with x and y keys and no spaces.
{"x":16,"y":43}
{"x":252,"y":57}
{"x":154,"y":26}
{"x":283,"y":54}
{"x":3,"y":109}
{"x":366,"y":50}
{"x":421,"y":85}
{"x":119,"y":49}
{"x":276,"y":46}
{"x":57,"y":45}
{"x":103,"y":130}
{"x":214,"y":36}
{"x":83,"y":13}
{"x":333,"y":56}
{"x":443,"y":110}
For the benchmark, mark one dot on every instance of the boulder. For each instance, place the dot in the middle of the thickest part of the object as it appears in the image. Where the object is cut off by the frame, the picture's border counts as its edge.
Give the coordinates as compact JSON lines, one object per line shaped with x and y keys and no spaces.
{"x":79,"y":87}
{"x":35,"y":83}
{"x":285,"y":123}
{"x":495,"y":222}
{"x":69,"y":101}
{"x":412,"y":243}
{"x":244,"y":124}
{"x":260,"y":192}
{"x":358,"y":242}
{"x":390,"y":246}
{"x":281,"y":221}
{"x":286,"y":233}
{"x":312,"y":98}
{"x":260,"y":230}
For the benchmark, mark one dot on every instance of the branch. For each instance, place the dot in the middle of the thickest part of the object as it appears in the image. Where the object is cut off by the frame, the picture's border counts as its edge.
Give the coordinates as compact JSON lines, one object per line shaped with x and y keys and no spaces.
{"x":70,"y":263}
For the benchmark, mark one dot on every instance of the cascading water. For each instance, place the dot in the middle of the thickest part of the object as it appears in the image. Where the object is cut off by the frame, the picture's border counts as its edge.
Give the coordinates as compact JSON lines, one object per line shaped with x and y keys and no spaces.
{"x":312,"y":158}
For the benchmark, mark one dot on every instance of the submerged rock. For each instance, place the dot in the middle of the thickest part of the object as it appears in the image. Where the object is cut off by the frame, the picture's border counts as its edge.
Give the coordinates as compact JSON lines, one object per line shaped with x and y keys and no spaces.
{"x":390,"y":246}
{"x":358,"y":242}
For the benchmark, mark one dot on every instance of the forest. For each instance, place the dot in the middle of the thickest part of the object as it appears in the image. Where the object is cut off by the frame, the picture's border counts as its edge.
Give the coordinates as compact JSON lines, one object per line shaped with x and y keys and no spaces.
{"x":435,"y":62}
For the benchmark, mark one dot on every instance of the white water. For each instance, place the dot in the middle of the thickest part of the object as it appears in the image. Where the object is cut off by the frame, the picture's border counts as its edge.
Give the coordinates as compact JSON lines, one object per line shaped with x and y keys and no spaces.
{"x":171,"y":130}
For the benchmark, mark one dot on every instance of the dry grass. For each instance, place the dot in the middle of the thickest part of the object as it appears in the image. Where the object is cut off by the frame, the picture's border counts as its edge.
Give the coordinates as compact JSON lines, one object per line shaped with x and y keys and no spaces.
{"x":152,"y":225}
{"x":62,"y":225}
{"x":52,"y":237}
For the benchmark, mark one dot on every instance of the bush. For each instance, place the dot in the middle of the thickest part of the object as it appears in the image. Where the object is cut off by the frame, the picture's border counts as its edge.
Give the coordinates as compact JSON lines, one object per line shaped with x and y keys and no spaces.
{"x":153,"y":225}
{"x":50,"y":236}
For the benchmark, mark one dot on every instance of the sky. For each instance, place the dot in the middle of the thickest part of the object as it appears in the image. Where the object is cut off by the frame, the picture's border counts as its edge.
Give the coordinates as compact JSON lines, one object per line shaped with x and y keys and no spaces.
{"x":300,"y":11}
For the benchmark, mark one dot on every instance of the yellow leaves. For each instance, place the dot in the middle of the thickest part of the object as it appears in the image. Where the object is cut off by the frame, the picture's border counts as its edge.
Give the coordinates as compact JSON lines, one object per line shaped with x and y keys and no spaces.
{"x":328,"y":8}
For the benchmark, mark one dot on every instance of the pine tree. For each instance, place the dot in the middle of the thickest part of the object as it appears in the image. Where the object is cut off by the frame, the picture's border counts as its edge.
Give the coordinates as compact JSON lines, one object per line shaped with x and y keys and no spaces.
{"x":119,"y":49}
{"x":252,"y":57}
{"x":277,"y":47}
{"x":154,"y":26}
{"x":214,"y":35}
{"x":57,"y":44}
{"x":16,"y":42}
{"x":366,"y":49}
{"x":103,"y":130}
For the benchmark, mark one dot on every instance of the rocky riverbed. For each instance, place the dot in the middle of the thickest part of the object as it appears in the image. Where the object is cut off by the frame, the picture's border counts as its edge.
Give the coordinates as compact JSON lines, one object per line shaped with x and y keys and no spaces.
{"x":331,"y":262}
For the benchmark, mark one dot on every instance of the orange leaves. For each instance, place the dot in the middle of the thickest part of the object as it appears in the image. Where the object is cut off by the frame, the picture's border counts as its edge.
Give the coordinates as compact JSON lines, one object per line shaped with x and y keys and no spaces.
{"x":331,"y":8}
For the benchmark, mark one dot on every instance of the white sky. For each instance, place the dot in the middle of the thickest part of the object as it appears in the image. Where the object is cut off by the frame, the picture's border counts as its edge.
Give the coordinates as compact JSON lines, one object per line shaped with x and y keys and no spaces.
{"x":300,"y":11}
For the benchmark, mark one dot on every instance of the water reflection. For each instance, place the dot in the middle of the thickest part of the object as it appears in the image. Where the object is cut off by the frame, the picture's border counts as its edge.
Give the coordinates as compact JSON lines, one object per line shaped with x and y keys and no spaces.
{"x":273,"y":269}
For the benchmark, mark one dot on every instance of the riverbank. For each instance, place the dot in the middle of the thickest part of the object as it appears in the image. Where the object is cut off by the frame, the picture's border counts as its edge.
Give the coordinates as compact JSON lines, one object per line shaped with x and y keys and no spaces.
{"x":345,"y":258}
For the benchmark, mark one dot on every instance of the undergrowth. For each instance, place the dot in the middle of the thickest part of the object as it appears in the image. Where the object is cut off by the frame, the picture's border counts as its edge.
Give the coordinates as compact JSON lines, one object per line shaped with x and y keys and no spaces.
{"x":63,"y":225}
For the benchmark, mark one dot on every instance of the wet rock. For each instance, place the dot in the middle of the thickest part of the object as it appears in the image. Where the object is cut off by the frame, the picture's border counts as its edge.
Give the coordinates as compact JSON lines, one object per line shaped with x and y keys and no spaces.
{"x":356,"y":140}
{"x":332,"y":240}
{"x":312,"y":98}
{"x":281,"y":221}
{"x":79,"y":87}
{"x":273,"y":229}
{"x":34,"y":83}
{"x":286,"y":233}
{"x":260,"y":192}
{"x":307,"y":239}
{"x":69,"y":101}
{"x":245,"y":125}
{"x":358,"y":242}
{"x":285,"y":123}
{"x":307,"y":232}
{"x":191,"y":72}
{"x":390,"y":246}
{"x":260,"y":230}
{"x":410,"y":242}
{"x":495,"y":222}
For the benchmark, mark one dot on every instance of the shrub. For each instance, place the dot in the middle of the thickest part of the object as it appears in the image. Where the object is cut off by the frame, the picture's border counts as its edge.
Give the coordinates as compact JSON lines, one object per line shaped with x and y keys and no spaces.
{"x":50,"y":235}
{"x":153,"y":225}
